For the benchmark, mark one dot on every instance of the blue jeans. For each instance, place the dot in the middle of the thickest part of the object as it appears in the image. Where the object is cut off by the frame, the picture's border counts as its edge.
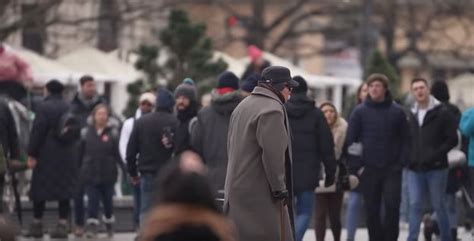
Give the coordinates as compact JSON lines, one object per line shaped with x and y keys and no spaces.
{"x":147,"y":182}
{"x":97,"y":193}
{"x":354,"y":206}
{"x":404,"y":205}
{"x":304,"y":210}
{"x":433,"y":182}
{"x":137,"y":193}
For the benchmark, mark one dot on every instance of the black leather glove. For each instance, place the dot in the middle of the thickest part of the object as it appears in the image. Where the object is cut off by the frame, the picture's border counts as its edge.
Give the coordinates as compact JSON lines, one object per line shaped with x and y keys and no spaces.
{"x":281,"y":196}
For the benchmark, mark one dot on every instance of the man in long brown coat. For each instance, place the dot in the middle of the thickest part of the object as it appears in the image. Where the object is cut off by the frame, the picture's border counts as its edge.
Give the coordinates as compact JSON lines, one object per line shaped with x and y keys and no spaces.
{"x":258,"y":181}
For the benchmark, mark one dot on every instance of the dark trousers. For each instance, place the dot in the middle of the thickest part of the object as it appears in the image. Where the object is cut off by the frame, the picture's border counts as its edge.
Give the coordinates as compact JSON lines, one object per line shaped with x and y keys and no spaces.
{"x":97,"y":193}
{"x":328,"y":204}
{"x":382,"y":189}
{"x":136,"y":204}
{"x":2,"y":185}
{"x":63,"y":207}
{"x":79,"y":212}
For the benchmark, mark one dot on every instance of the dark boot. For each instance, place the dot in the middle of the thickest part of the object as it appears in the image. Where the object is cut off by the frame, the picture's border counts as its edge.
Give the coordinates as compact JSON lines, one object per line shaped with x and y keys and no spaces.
{"x":454,"y":234}
{"x":60,"y":232}
{"x":109,"y":226}
{"x":35,"y":230}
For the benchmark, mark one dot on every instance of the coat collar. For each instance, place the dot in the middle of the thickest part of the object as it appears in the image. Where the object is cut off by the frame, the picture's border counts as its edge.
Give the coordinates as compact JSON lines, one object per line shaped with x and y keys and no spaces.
{"x":267,"y":93}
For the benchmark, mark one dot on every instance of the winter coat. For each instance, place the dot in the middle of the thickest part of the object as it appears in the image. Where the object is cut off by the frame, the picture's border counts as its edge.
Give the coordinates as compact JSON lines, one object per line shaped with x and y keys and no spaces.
{"x":183,"y":135}
{"x":339,"y":131}
{"x":312,"y":143}
{"x":56,"y":174}
{"x":382,"y":129}
{"x":146,"y":142}
{"x":259,"y":151}
{"x":466,"y":127}
{"x":432,"y":139}
{"x":8,"y":134}
{"x":180,"y":222}
{"x":209,"y":136}
{"x":82,"y":109}
{"x":100,"y":156}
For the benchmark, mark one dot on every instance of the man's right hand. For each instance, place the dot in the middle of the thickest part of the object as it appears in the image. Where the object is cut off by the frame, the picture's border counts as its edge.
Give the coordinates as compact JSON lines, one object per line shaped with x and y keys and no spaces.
{"x":31,"y":163}
{"x":135,"y":180}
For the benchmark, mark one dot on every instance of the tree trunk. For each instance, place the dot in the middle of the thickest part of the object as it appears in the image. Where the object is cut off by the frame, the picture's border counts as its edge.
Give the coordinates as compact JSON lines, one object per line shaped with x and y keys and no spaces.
{"x":108,"y":30}
{"x":256,"y":33}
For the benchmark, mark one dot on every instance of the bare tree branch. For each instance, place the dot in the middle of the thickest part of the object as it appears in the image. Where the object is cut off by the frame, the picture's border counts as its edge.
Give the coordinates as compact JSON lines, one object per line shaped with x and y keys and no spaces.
{"x":286,"y":14}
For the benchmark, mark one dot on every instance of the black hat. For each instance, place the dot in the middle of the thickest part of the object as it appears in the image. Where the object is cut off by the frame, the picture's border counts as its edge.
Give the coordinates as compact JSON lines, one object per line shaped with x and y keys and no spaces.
{"x":302,"y":86}
{"x":250,"y":83}
{"x":164,"y":99}
{"x":228,"y":79}
{"x":186,"y":90}
{"x":278,"y":75}
{"x":54,"y":87}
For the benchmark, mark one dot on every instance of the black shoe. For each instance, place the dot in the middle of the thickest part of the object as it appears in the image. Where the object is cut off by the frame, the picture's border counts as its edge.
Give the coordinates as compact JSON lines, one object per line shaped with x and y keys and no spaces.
{"x":60,"y":232}
{"x":35,"y":230}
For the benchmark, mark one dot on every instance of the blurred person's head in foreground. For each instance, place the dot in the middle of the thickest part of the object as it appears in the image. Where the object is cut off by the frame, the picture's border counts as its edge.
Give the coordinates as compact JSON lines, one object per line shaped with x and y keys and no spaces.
{"x":185,"y":208}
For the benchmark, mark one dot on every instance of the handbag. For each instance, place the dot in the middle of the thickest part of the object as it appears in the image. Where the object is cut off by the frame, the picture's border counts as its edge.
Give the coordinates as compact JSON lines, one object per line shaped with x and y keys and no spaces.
{"x":456,"y":157}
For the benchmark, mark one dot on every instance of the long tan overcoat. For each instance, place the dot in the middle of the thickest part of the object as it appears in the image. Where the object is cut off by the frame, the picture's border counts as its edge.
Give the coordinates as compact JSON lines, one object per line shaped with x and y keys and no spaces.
{"x":259,"y":156}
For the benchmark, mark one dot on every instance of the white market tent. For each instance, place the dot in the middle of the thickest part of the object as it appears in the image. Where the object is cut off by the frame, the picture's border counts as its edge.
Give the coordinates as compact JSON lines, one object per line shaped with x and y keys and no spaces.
{"x":461,"y":90}
{"x":44,"y":69}
{"x":321,"y":82}
{"x":101,"y":65}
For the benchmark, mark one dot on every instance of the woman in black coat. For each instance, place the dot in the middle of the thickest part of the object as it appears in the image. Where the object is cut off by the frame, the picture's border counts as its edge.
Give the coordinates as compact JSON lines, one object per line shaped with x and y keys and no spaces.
{"x":100,"y":156}
{"x":55,"y":162}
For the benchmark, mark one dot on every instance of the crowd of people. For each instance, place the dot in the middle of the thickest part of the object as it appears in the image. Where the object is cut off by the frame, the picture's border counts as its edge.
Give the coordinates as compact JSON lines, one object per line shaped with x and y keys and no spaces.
{"x":256,"y":163}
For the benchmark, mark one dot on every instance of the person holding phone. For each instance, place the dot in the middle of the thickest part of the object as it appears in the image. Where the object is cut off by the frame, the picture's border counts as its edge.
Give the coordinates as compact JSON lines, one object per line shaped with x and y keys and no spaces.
{"x":151,"y":146}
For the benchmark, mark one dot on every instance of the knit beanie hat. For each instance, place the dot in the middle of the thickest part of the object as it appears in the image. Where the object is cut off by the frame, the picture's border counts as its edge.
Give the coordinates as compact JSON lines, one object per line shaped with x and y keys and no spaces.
{"x":254,"y":52}
{"x":188,"y":81}
{"x":250,"y":83}
{"x":228,"y":79}
{"x":186,"y":90}
{"x":302,"y":87}
{"x":54,"y":87}
{"x":164,"y":100}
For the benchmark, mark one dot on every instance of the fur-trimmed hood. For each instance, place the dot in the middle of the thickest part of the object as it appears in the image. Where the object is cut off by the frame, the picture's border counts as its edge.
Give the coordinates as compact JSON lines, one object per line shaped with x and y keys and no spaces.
{"x":171,"y":218}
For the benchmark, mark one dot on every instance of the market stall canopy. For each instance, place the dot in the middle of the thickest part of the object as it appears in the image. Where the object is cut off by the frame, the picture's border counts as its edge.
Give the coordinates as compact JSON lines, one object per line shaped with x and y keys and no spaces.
{"x":44,"y":69}
{"x":315,"y":81}
{"x":102,"y":66}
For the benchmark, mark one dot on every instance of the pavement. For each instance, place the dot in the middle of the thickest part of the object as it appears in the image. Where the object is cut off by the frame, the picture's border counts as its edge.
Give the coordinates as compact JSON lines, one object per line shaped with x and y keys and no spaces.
{"x":361,"y":235}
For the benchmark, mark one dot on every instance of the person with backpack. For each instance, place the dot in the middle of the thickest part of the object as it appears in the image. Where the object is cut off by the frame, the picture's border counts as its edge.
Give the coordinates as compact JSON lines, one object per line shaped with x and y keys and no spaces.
{"x":100,"y":156}
{"x":53,"y":154}
{"x":146,"y":104}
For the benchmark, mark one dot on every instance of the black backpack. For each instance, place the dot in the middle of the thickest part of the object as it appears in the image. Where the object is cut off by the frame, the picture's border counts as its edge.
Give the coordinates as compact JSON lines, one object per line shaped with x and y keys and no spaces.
{"x":69,"y":128}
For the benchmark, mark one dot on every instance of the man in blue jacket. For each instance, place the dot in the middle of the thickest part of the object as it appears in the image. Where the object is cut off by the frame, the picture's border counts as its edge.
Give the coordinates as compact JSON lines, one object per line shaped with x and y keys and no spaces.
{"x":380,"y":125}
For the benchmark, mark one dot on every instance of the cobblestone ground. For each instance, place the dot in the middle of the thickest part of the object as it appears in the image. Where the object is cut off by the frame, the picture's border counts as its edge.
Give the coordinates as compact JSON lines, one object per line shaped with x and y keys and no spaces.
{"x":361,"y":236}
